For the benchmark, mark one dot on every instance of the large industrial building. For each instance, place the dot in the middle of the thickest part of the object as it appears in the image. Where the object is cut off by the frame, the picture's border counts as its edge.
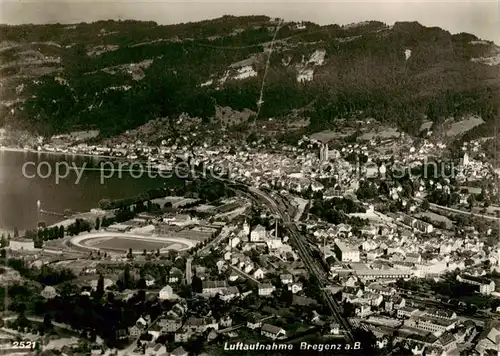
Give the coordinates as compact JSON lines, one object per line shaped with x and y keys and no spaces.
{"x":345,"y":253}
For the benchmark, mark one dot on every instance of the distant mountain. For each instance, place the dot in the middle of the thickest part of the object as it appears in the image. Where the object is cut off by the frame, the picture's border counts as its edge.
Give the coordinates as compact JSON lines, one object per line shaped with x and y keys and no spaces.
{"x":118,"y":75}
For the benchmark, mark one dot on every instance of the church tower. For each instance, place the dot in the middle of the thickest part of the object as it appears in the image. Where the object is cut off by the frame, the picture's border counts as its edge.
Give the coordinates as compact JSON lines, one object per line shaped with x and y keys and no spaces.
{"x":465,"y":160}
{"x":246,"y":229}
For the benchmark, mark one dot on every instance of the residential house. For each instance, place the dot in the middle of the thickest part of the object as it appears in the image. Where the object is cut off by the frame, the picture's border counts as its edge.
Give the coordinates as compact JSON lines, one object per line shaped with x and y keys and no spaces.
{"x":226,"y":322}
{"x":177,"y":311}
{"x":179,"y":352}
{"x":170,"y":324}
{"x":49,"y":292}
{"x":273,"y":332}
{"x":286,"y":279}
{"x":156,"y":349}
{"x":417,"y":224}
{"x":351,"y":293}
{"x":334,"y":328}
{"x":258,"y":274}
{"x":221,"y":266}
{"x":134,"y":331}
{"x":266,"y":289}
{"x":362,"y":310}
{"x":489,"y":339}
{"x":150,"y":281}
{"x":486,"y":286}
{"x":175,"y":275}
{"x":374,"y":299}
{"x":344,"y":230}
{"x":213,"y":288}
{"x":394,"y":303}
{"x":253,"y":322}
{"x":295,"y":287}
{"x":258,"y":234}
{"x":406,"y":312}
{"x":212,"y":335}
{"x":143,"y":322}
{"x":247,"y":266}
{"x":137,"y":329}
{"x":380,"y":289}
{"x":413,"y":258}
{"x":200,"y":325}
{"x":351,"y":281}
{"x":166,"y":293}
{"x":447,"y":341}
{"x":440,"y":313}
{"x":229,"y":293}
{"x":182,"y":335}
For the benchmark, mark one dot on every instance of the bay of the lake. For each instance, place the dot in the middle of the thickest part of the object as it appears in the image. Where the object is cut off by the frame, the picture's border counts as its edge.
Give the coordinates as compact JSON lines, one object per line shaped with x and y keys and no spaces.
{"x":20,"y":191}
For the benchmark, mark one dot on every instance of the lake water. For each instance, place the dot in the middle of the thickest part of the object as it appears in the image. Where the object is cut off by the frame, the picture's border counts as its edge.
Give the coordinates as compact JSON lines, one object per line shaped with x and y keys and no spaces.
{"x":19,"y":192}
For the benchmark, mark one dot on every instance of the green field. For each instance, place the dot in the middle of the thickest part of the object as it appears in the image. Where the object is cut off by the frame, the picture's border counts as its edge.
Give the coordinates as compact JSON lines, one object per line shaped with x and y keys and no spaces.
{"x":136,"y":244}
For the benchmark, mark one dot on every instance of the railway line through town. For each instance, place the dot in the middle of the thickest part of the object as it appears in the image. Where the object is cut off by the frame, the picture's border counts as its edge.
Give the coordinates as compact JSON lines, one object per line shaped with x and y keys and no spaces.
{"x":278,"y":207}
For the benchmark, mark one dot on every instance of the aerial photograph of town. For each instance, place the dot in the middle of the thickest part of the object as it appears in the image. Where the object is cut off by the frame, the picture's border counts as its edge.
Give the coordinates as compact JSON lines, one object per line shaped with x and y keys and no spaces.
{"x":249,"y":178}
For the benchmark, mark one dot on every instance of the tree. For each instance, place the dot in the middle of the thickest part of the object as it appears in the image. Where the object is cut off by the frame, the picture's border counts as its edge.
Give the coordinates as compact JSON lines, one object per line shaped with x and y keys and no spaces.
{"x":196,"y":284}
{"x":486,"y":202}
{"x":172,"y":254}
{"x":471,"y":200}
{"x":100,"y":287}
{"x":141,"y":283}
{"x":126,"y":277}
{"x":37,"y":243}
{"x":141,"y":296}
{"x":47,"y":321}
{"x":111,"y":297}
{"x":16,"y":232}
{"x":97,"y":223}
{"x":348,"y":310}
{"x":425,"y":205}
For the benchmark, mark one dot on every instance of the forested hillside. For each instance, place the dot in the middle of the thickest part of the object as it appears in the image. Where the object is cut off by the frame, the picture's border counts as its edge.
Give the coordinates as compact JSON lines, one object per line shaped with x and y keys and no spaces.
{"x":115,"y":76}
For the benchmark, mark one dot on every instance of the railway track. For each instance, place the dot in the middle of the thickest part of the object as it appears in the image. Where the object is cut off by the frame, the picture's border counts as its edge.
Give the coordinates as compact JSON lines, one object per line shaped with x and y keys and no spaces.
{"x":279,"y":208}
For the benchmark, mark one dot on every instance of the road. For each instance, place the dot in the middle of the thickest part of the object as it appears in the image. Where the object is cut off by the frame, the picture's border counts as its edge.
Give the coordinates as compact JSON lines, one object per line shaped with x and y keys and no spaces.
{"x":312,"y":264}
{"x":458,"y":211}
{"x":40,"y":320}
{"x":234,"y":327}
{"x":440,"y":207}
{"x":243,"y":274}
{"x":130,"y":349}
{"x":224,"y":234}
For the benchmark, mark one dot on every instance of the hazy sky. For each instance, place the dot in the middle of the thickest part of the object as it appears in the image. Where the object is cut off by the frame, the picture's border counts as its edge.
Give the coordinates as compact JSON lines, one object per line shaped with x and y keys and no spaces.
{"x":475,"y":16}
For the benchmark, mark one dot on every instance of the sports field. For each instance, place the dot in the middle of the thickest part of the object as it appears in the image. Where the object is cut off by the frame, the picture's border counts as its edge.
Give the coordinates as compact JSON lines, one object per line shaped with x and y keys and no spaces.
{"x":122,"y":242}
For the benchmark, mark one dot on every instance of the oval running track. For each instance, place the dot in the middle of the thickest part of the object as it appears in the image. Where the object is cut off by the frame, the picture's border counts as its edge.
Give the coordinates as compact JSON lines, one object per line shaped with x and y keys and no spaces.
{"x":77,"y":240}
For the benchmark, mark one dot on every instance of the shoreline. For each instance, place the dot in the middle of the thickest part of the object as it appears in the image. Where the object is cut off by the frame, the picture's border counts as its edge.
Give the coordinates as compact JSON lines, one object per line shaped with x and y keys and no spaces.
{"x":22,"y":150}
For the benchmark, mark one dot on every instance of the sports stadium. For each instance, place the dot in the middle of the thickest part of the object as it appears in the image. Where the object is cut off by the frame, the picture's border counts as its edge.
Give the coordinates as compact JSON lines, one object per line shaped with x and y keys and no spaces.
{"x":122,"y":242}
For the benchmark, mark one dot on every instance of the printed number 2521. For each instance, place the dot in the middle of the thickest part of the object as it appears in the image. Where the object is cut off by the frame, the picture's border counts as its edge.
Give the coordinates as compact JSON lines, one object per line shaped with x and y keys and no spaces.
{"x":23,"y":344}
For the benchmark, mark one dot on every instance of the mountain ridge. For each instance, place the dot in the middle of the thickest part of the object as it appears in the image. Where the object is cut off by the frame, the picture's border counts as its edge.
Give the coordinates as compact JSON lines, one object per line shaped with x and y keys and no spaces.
{"x":117,"y":75}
